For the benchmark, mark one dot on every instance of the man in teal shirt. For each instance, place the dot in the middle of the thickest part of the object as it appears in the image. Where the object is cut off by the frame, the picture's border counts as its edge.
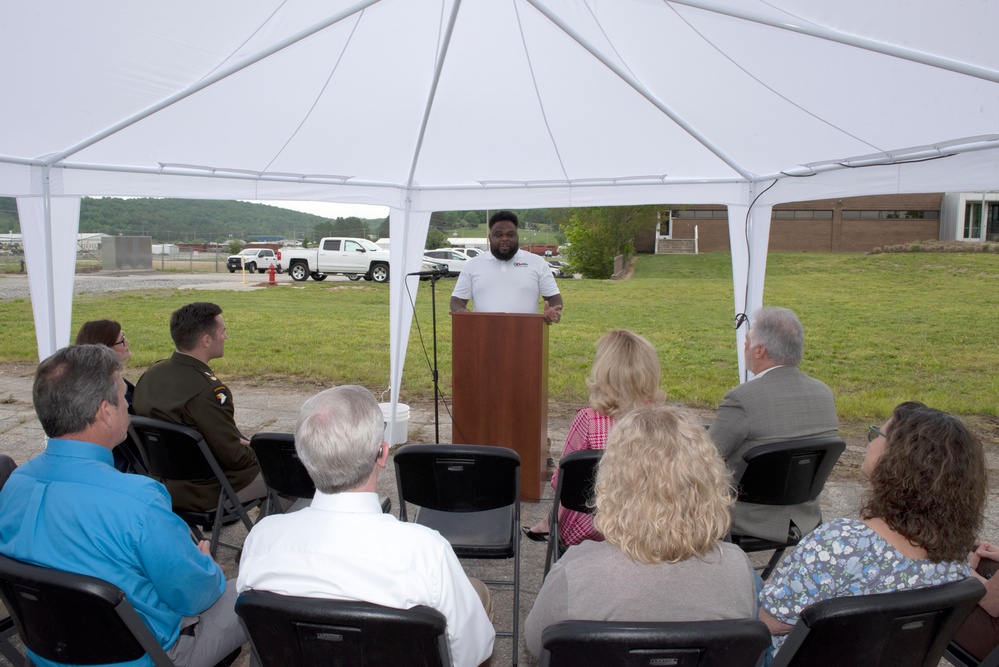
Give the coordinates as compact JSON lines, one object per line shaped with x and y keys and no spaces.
{"x":69,"y":509}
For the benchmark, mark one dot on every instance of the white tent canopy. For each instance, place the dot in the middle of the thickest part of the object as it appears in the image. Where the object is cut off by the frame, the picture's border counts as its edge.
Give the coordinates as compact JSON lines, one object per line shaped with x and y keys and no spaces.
{"x":424,"y":105}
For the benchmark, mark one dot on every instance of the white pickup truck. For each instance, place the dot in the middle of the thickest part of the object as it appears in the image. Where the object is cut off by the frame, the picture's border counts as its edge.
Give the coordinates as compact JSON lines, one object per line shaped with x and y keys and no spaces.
{"x":254,"y":259}
{"x":354,"y":258}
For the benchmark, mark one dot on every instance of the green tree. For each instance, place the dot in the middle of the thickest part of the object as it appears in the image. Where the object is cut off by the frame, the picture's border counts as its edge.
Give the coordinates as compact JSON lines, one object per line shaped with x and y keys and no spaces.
{"x":235,"y":247}
{"x":384,"y":228}
{"x":597,"y":235}
{"x":324,"y":228}
{"x":351,"y":226}
{"x":436,"y":239}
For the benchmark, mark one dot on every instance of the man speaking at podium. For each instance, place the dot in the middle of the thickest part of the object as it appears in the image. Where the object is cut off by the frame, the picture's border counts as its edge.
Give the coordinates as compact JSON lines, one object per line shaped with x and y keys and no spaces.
{"x":507,"y":279}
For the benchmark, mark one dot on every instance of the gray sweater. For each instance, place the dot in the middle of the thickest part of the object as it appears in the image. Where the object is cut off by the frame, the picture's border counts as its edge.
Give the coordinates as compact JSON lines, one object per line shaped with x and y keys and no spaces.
{"x":594,"y":581}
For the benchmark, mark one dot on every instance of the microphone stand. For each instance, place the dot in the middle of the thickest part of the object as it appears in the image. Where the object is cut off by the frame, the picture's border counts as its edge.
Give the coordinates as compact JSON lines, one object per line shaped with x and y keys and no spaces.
{"x":434,"y":276}
{"x":433,"y":318}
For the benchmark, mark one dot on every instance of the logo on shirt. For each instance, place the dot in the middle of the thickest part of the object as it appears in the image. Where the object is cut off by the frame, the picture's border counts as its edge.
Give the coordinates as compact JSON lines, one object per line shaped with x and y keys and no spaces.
{"x":520,"y":263}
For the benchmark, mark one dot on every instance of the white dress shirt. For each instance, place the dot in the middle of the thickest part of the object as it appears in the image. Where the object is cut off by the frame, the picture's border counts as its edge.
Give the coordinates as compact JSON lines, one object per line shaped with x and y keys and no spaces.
{"x":343,"y":547}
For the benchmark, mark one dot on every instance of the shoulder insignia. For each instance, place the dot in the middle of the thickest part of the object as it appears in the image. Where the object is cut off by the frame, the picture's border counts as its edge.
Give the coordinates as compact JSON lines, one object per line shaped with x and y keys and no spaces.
{"x":210,"y":376}
{"x":222,"y":398}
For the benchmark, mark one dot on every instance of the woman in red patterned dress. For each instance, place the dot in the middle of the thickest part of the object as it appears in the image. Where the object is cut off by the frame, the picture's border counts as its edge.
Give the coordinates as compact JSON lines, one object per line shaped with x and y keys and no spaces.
{"x":625,"y":375}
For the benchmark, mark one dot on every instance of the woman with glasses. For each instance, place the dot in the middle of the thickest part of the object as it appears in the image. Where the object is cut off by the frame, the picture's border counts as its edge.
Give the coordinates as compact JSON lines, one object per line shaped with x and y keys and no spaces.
{"x":109,"y":333}
{"x":919,"y":521}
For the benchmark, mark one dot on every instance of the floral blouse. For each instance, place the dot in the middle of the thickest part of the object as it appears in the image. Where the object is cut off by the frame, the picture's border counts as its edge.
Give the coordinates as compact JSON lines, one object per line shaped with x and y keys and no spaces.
{"x":845,"y":557}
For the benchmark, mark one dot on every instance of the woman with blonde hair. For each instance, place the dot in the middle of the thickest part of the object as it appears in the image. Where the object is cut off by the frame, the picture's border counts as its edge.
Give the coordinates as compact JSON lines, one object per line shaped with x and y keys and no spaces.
{"x":625,"y":375}
{"x":663,"y":500}
{"x":919,"y":521}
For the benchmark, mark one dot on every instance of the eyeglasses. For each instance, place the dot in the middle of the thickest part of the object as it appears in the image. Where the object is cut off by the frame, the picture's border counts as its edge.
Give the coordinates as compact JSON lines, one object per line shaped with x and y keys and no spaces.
{"x":379,"y":454}
{"x":741,"y":319}
{"x":873,"y":433}
{"x":123,"y":341}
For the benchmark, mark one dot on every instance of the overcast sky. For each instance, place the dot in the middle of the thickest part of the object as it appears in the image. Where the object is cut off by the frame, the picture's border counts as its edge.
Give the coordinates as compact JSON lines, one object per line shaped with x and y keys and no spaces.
{"x":333,"y":211}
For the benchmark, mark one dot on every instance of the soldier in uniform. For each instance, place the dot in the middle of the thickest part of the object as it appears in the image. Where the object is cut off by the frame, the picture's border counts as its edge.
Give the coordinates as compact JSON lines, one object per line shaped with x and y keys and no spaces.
{"x":184,"y":390}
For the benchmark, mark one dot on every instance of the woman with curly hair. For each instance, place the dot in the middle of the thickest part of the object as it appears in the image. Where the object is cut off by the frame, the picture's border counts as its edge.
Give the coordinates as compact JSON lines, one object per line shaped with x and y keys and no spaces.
{"x":625,"y":375}
{"x":918,"y":523}
{"x":663,"y":522}
{"x":108,"y":333}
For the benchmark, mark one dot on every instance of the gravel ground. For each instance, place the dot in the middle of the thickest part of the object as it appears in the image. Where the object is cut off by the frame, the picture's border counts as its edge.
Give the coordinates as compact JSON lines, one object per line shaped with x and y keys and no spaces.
{"x":273,"y":406}
{"x":16,"y":286}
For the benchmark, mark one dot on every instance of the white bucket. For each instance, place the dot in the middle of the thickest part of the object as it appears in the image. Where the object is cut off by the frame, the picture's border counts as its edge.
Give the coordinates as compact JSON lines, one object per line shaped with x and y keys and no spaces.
{"x":401,"y":430}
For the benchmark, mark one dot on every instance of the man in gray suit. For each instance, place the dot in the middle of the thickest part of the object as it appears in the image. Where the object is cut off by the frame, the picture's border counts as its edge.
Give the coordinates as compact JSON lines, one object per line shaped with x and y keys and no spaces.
{"x":780,"y":403}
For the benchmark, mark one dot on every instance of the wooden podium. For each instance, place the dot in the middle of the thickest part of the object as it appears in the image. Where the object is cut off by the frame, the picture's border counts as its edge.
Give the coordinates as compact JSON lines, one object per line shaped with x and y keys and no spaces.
{"x":499,"y":389}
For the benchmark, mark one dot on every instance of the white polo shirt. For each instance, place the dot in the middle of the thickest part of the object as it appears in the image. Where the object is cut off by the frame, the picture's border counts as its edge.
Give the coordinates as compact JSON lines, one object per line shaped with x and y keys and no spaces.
{"x":511,"y":286}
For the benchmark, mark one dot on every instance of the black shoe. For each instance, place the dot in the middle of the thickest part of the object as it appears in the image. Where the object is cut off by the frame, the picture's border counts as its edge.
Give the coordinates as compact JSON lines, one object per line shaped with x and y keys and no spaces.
{"x":534,"y":537}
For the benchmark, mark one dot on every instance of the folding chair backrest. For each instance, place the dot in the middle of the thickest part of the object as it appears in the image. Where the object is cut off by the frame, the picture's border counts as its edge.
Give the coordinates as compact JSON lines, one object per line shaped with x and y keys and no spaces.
{"x":127,"y":456}
{"x":283,"y":471}
{"x":307,"y":632}
{"x":172,"y":451}
{"x":73,"y":618}
{"x":576,"y":477}
{"x":730,"y":643}
{"x":899,"y":629}
{"x":456,"y":478}
{"x":787,"y":473}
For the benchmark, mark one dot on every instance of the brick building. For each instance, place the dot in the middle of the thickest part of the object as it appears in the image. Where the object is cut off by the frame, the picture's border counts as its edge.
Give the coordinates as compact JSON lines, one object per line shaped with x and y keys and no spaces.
{"x":854,"y":224}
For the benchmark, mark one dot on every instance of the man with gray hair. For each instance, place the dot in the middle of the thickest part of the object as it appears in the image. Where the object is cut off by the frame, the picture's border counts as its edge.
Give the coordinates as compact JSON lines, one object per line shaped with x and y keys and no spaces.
{"x":343,"y":547}
{"x":70,"y":509}
{"x":779,"y":403}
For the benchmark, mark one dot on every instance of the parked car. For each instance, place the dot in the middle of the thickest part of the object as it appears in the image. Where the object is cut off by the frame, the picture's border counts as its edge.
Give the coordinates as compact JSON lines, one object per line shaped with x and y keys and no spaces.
{"x":469,"y":252}
{"x":254,"y":259}
{"x":427,"y":265}
{"x":560,"y":269}
{"x":454,"y":260}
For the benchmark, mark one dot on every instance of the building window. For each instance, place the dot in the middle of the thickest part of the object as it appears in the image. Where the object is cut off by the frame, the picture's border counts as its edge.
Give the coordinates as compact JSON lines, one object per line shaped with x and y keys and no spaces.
{"x":973,"y":220}
{"x":891,"y":215}
{"x":714,"y":213}
{"x":784,"y":214}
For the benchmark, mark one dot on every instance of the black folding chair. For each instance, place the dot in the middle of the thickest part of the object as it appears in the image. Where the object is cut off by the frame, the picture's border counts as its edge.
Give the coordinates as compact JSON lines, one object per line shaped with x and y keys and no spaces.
{"x":175,"y":451}
{"x":75,"y":619}
{"x":730,"y":643}
{"x":577,"y":473}
{"x":316,"y":632}
{"x":284,"y":473}
{"x":127,"y":457}
{"x":784,"y":473}
{"x":899,"y":629}
{"x":470,"y":494}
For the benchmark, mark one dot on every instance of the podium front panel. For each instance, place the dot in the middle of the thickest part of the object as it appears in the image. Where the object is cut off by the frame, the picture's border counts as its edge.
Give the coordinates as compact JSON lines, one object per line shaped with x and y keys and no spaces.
{"x":499,"y":393}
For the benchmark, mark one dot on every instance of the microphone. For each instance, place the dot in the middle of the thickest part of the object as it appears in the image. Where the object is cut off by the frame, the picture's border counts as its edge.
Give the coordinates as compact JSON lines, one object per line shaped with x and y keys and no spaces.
{"x":426,"y":274}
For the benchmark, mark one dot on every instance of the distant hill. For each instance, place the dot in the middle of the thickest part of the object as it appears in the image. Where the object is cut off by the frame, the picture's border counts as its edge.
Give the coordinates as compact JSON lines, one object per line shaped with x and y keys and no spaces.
{"x":192,"y":220}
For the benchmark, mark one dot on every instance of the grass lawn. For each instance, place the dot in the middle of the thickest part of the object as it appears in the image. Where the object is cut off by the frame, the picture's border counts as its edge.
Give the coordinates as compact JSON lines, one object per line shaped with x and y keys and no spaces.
{"x":879,"y":329}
